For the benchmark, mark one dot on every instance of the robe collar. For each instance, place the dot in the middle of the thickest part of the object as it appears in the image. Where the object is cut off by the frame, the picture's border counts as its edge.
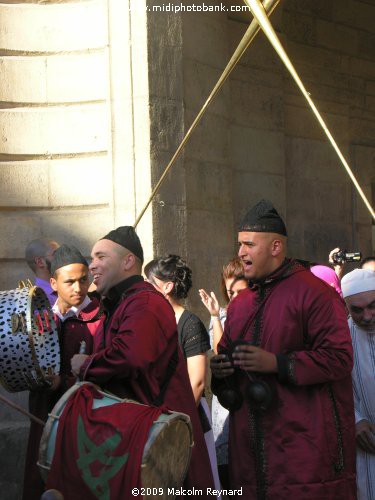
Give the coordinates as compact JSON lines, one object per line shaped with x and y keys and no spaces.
{"x":111,"y":301}
{"x":287,"y":268}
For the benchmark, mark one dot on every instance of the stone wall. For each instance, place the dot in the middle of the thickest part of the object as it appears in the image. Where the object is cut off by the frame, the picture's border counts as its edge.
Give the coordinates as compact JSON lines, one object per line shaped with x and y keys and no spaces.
{"x":260,"y":138}
{"x":74,"y":144}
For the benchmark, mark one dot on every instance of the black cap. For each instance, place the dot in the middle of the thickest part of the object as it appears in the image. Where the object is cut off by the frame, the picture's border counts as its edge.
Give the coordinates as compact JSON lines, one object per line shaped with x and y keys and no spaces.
{"x":263,"y":218}
{"x":66,"y":255}
{"x":127,"y":238}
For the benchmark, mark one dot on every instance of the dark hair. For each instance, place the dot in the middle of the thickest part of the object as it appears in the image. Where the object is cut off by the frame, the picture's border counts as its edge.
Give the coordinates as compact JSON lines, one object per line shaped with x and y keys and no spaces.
{"x":171,"y":268}
{"x":234,"y":269}
{"x":366,"y":260}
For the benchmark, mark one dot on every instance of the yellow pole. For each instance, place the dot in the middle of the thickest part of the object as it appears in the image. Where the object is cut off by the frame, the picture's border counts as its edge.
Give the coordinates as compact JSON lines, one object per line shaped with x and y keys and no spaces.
{"x":261,"y":16}
{"x":249,"y":36}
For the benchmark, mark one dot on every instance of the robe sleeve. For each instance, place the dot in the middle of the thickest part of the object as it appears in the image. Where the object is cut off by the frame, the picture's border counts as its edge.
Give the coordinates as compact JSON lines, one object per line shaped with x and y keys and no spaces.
{"x":327,"y":354}
{"x":136,"y":343}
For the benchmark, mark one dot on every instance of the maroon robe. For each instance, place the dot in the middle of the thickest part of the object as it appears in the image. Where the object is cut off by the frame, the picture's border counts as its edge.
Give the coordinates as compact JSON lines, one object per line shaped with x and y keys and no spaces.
{"x":303,"y":446}
{"x":71,"y":332}
{"x":132,"y":352}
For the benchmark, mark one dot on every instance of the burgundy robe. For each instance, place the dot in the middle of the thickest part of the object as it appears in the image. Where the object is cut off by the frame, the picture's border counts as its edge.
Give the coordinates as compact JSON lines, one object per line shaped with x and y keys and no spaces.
{"x":41,"y":402}
{"x":132,"y":351}
{"x":303,"y":445}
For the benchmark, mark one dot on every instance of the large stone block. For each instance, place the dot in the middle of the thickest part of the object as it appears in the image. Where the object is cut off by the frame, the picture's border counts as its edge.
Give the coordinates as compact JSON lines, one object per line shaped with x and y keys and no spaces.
{"x":313,"y":160}
{"x":215,"y":231}
{"x":81,"y":181}
{"x":314,"y":56}
{"x":299,"y":27}
{"x":170,"y":229}
{"x":166,"y":27}
{"x":209,"y":141}
{"x":13,"y":270}
{"x":54,"y":78}
{"x":255,"y":150}
{"x":337,"y":37}
{"x":319,"y":201}
{"x":366,"y":44}
{"x":18,"y":229}
{"x":365,"y":238}
{"x":51,"y":183}
{"x":301,"y":122}
{"x":164,"y":60}
{"x":24,"y":184}
{"x":362,"y":131}
{"x":13,"y":442}
{"x":81,"y":228}
{"x":361,"y":67}
{"x":326,"y":99}
{"x":365,"y":12}
{"x":54,"y":130}
{"x":54,"y":27}
{"x":199,"y":82}
{"x":316,"y":8}
{"x":345,"y":12}
{"x":197,"y":29}
{"x":260,"y":54}
{"x":257,"y":106}
{"x":166,"y":124}
{"x":313,"y":240}
{"x":251,"y":187}
{"x":208,"y":186}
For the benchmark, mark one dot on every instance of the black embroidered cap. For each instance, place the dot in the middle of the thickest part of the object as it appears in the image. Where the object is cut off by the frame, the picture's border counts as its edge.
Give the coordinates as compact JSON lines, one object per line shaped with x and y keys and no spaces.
{"x":263,"y":218}
{"x":66,"y":255}
{"x":127,"y":238}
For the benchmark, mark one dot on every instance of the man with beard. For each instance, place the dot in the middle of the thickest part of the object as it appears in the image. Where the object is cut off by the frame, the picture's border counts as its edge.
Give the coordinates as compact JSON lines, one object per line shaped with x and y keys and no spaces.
{"x":283,"y":369}
{"x":359,"y":292}
{"x":136,"y":352}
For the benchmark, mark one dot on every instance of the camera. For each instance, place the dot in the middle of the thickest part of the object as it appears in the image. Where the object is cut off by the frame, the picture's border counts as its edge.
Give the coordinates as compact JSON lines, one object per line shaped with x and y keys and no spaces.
{"x":344,"y":256}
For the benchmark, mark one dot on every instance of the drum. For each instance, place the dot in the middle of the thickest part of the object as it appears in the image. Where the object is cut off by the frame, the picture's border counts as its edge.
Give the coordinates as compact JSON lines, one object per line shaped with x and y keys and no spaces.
{"x":29,"y":344}
{"x":166,"y":455}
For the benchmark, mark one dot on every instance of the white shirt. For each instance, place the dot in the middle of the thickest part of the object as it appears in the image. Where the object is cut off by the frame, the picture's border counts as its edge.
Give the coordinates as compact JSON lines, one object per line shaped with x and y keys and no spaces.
{"x":73,"y":311}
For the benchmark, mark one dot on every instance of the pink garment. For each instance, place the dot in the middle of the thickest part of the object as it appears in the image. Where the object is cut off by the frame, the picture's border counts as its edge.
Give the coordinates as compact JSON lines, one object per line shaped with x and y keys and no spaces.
{"x":328,"y":275}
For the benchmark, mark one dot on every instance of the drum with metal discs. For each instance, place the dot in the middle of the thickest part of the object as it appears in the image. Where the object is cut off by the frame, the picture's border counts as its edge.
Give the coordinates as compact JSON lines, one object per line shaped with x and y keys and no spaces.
{"x":29,"y":344}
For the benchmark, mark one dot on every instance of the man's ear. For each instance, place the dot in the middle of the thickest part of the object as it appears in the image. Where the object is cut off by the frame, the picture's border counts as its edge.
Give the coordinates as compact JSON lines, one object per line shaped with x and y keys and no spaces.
{"x":53,"y":284}
{"x":128,"y":261}
{"x":277,"y":247}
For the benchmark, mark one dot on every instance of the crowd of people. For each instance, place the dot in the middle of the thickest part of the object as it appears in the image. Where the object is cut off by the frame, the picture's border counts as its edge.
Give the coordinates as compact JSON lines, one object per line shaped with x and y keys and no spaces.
{"x":292,"y":361}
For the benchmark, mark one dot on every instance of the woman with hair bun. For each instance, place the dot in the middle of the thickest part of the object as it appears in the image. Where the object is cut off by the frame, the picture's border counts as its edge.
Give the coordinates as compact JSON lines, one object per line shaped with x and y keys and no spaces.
{"x":173,"y":278}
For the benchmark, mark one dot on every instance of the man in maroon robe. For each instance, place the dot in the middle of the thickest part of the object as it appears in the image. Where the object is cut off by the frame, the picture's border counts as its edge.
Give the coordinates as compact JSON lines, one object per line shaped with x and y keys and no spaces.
{"x":77,"y":316}
{"x":284,"y":368}
{"x":136,"y":352}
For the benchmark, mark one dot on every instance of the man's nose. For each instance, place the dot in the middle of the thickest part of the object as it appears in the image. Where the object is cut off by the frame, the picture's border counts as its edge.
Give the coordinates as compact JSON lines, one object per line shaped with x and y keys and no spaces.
{"x":368,"y":314}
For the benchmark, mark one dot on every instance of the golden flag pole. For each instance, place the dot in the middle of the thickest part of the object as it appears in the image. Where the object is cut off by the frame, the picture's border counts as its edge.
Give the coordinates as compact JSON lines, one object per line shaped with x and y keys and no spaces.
{"x":251,"y":32}
{"x":263,"y":21}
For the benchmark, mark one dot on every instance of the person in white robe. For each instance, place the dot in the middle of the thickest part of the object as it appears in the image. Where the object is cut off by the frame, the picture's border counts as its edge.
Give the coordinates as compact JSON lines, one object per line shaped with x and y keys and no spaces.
{"x":359,"y":293}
